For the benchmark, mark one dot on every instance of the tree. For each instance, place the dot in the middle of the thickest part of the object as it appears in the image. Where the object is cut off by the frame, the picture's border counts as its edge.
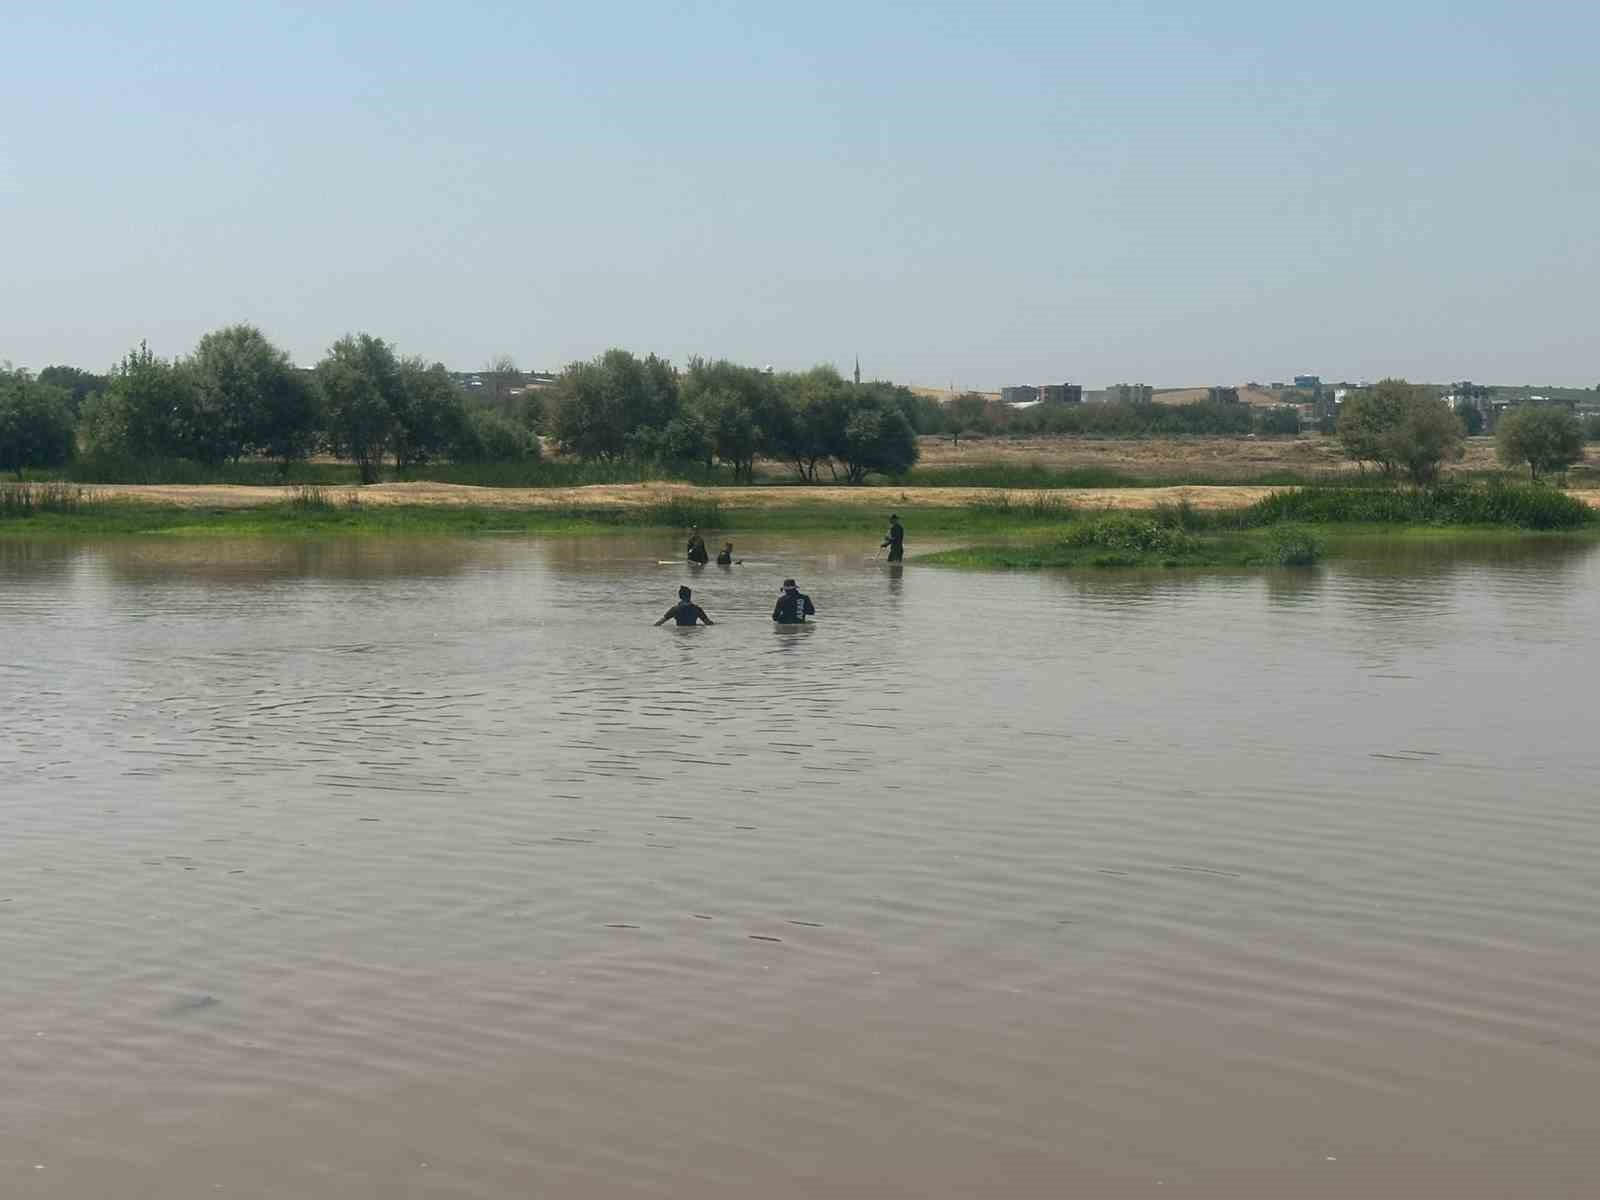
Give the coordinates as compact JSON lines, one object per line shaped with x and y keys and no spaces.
{"x":685,"y":439}
{"x":149,"y":409}
{"x":35,"y":422}
{"x":78,"y":384}
{"x":1429,"y":435}
{"x":1471,"y":418}
{"x":599,"y":403}
{"x":1547,"y":439}
{"x":487,"y":437}
{"x":250,"y":399}
{"x":429,"y":417}
{"x":968,"y":413}
{"x":877,"y":437}
{"x":1400,"y":427}
{"x":737,"y":403}
{"x":362,"y":388}
{"x":812,"y":425}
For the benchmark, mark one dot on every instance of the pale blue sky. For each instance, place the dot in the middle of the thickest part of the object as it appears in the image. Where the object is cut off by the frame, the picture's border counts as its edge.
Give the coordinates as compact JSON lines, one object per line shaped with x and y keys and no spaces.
{"x":1169,"y":192}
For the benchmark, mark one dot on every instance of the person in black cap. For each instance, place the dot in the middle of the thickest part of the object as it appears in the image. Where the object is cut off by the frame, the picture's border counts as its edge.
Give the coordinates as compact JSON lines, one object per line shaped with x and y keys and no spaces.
{"x":685,"y":611}
{"x":697,"y":547}
{"x":895,"y":539}
{"x":793,"y":606}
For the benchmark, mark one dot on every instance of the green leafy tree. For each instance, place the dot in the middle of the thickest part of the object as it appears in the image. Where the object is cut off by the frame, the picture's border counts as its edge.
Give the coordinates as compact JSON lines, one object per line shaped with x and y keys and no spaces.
{"x":1471,"y":417}
{"x":738,"y":404}
{"x":251,"y":399}
{"x":1401,"y":428}
{"x":968,"y":413}
{"x":488,"y":437}
{"x":77,"y":383}
{"x":598,"y":404}
{"x":35,"y":422}
{"x":813,"y":425}
{"x":429,"y":417}
{"x":150,"y":409}
{"x":1545,"y":438}
{"x":362,"y":389}
{"x":686,"y":439}
{"x":877,"y":438}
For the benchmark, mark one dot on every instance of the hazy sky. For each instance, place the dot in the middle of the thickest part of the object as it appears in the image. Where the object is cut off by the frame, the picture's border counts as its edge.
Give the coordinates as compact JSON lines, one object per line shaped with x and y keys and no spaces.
{"x":989,"y":193}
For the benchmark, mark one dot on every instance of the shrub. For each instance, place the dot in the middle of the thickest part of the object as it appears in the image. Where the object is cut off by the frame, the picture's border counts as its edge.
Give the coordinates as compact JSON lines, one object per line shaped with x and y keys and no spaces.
{"x":1518,"y":505}
{"x":1038,"y":505}
{"x":1291,"y":546}
{"x":1547,"y":439}
{"x":488,"y":437}
{"x":1135,"y":533}
{"x":310,"y":498}
{"x":1278,"y":421}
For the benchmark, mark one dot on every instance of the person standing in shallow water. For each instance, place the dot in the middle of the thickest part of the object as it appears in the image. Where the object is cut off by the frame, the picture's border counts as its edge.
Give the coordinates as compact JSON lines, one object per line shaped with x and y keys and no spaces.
{"x":697,"y":547}
{"x":793,"y":606}
{"x":895,"y":539}
{"x":725,"y":556}
{"x":686,"y":611}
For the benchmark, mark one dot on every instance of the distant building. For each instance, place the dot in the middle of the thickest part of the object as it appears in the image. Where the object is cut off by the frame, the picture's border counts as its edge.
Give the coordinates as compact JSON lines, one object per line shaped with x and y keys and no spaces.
{"x":1223,"y":395}
{"x":1131,"y":393}
{"x":1019,"y":395}
{"x":1061,"y":393}
{"x":1309,"y":382}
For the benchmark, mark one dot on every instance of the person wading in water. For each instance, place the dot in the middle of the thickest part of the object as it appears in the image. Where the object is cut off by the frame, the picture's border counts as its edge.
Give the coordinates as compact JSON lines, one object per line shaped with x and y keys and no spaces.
{"x":725,"y":558}
{"x":793,"y":606}
{"x":685,"y":611}
{"x":895,"y":539}
{"x":697,"y":547}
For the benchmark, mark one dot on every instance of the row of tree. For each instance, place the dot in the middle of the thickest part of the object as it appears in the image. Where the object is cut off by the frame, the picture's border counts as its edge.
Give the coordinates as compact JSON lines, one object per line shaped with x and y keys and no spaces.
{"x":974,"y":413}
{"x":621,"y":406}
{"x":239,"y":396}
{"x":1406,"y":429}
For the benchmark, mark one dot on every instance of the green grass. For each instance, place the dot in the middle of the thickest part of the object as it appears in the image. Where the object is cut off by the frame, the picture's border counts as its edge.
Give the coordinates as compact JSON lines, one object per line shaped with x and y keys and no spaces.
{"x":1522,"y":506}
{"x":1141,"y":540}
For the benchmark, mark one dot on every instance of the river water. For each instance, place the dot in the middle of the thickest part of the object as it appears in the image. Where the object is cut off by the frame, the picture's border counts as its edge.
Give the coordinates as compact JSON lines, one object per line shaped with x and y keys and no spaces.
{"x":431,"y":869}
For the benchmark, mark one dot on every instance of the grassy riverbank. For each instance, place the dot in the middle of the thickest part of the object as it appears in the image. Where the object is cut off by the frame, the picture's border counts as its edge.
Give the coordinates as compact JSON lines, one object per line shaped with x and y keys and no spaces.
{"x":1002,"y":528}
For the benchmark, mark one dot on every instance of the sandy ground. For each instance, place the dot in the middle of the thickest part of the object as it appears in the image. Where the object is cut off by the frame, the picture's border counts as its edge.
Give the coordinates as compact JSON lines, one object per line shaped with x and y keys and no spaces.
{"x":636,"y":494}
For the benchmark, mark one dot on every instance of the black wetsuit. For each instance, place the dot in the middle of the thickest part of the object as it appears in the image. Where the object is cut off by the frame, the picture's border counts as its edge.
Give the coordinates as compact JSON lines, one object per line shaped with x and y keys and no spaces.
{"x":724,"y":559}
{"x":896,"y":541}
{"x":793,"y":608}
{"x":687,"y":612}
{"x":697,"y":550}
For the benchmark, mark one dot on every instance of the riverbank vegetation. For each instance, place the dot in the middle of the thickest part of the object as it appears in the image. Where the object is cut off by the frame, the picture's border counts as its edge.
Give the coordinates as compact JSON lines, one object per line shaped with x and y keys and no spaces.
{"x":1012,"y":529}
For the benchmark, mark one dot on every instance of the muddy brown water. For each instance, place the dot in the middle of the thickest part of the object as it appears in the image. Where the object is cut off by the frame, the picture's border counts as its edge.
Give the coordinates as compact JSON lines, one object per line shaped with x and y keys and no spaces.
{"x":430,"y":869}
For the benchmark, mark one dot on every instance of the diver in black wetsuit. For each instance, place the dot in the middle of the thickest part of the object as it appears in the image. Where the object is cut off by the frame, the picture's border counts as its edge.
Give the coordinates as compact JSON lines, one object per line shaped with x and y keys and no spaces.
{"x":725,"y":557}
{"x":895,"y":539}
{"x":685,"y":611}
{"x":697,"y":547}
{"x":793,"y":606}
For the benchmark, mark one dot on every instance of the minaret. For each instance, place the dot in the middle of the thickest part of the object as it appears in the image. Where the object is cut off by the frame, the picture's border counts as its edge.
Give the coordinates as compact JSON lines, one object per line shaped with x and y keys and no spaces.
{"x":858,"y":370}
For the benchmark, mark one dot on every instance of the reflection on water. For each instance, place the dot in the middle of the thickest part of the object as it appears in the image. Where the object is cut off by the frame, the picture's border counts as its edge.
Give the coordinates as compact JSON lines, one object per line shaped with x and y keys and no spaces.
{"x":430,"y":867}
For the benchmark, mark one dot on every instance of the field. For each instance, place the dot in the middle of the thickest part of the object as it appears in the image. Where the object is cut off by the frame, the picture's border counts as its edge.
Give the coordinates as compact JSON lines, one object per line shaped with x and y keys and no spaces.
{"x":1186,"y":459}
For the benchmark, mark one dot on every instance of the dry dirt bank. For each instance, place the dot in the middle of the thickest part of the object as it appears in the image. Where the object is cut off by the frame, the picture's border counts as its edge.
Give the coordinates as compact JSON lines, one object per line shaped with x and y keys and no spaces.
{"x":635,"y":494}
